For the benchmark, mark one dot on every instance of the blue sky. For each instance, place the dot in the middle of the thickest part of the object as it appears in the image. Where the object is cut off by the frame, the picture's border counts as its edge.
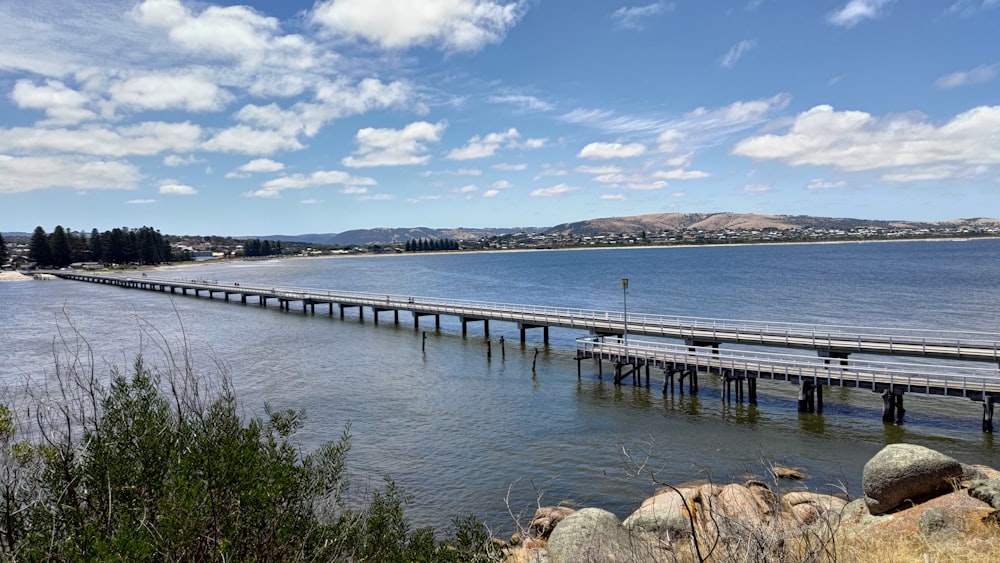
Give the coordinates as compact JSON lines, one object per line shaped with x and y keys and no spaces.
{"x":292,"y":117}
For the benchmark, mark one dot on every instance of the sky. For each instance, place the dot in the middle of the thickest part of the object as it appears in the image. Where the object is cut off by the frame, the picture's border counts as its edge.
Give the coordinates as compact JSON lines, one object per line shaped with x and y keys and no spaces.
{"x":292,"y":117}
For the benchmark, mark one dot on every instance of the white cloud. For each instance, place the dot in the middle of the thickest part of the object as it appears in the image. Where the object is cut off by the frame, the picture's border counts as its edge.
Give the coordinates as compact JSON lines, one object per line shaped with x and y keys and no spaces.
{"x":633,"y":17}
{"x":162,"y":91}
{"x":613,"y":197}
{"x":736,"y":52}
{"x":177,"y":189}
{"x":819,"y":184}
{"x":855,"y":140}
{"x":31,"y":173}
{"x":231,"y":32}
{"x":611,"y":150}
{"x":272,"y":188}
{"x":553,"y":191}
{"x":260,"y":165}
{"x":680,"y":174}
{"x":756,"y":188}
{"x":966,"y":8}
{"x":523,"y":101}
{"x":978,"y":75}
{"x":466,"y":190}
{"x":646,"y":185}
{"x":453,"y":25}
{"x":395,"y":147}
{"x":62,"y":105}
{"x":501,"y":185}
{"x":141,"y":201}
{"x":247,"y":140}
{"x":491,"y":193}
{"x":143,"y":139}
{"x":856,"y":11}
{"x":606,"y":169}
{"x":509,"y":167}
{"x":174,"y":160}
{"x":481,"y":147}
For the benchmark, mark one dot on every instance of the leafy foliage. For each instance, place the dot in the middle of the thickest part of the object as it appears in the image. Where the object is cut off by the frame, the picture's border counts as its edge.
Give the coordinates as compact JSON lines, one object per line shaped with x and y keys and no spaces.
{"x":134,"y":472}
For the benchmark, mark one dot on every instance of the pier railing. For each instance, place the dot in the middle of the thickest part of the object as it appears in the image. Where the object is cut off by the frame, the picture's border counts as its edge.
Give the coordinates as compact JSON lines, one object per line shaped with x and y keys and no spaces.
{"x":952,"y":380}
{"x":835,"y":339}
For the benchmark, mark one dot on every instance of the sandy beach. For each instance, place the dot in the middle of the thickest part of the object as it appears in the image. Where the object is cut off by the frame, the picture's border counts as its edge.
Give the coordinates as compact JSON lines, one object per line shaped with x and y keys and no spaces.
{"x":13,"y":276}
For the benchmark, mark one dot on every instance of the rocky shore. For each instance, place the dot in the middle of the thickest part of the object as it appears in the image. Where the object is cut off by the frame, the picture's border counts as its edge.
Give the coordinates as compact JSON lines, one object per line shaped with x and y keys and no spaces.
{"x":917,"y":505}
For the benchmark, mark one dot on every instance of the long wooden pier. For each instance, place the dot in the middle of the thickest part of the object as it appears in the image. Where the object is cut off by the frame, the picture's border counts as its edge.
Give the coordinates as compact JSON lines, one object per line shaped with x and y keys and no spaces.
{"x":699,"y":353}
{"x":830,"y":341}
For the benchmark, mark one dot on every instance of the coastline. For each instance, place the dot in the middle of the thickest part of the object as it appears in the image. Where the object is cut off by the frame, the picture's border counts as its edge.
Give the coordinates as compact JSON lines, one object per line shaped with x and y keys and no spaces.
{"x":13,"y":276}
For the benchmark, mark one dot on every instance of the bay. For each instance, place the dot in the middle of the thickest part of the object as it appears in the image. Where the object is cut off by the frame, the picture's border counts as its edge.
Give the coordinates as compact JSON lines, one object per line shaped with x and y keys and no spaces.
{"x":467,"y":434}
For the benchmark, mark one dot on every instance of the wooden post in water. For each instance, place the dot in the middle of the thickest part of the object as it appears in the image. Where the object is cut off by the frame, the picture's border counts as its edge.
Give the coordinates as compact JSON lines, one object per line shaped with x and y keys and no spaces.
{"x":423,"y":343}
{"x":533,"y":360}
{"x":503,"y":353}
{"x":489,"y":349}
{"x":988,"y":402}
{"x":888,"y":407}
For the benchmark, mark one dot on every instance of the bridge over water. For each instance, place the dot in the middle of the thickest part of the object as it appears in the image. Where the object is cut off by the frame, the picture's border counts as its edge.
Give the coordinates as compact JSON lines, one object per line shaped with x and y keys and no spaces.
{"x":700,"y":351}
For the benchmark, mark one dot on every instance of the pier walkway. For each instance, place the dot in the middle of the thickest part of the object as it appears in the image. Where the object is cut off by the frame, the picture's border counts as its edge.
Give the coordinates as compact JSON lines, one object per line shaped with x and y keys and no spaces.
{"x":830,"y":341}
{"x":613,"y":339}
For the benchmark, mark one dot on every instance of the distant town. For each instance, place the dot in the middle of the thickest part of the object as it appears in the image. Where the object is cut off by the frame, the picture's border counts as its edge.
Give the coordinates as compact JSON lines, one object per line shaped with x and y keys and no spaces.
{"x":144,"y":246}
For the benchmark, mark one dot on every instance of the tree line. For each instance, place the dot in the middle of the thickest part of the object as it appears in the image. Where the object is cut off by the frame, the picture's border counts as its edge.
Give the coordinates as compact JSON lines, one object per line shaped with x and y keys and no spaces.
{"x":63,"y":247}
{"x":430,"y":245}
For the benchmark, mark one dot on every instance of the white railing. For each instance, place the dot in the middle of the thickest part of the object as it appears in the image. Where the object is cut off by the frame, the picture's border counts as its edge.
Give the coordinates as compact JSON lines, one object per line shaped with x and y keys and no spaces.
{"x":919,"y":378}
{"x":920,"y":342}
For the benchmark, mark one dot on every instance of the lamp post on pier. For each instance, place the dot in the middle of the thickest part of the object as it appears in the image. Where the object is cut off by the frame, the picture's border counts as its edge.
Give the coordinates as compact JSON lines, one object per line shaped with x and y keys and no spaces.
{"x":625,"y":310}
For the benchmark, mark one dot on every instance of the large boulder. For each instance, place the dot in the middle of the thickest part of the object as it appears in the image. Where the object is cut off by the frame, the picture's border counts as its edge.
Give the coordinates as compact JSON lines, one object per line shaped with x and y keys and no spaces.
{"x":902,"y":472}
{"x":594,"y":535}
{"x":808,"y":507}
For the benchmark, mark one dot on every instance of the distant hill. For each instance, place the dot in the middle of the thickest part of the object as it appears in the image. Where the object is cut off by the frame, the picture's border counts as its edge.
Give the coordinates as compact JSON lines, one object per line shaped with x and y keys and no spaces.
{"x":361,"y":237}
{"x":722,"y":221}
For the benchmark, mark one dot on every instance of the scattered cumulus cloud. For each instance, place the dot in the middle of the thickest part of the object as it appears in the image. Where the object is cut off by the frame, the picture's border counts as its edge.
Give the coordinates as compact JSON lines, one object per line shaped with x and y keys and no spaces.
{"x":450,"y":25}
{"x":162,"y":91}
{"x":736,"y":52}
{"x":966,"y":8}
{"x":175,"y":160}
{"x":756,"y":188}
{"x":553,"y":191}
{"x":31,"y":173}
{"x":509,"y":167}
{"x":141,"y":201}
{"x":256,"y":166}
{"x":856,"y":141}
{"x":680,"y":174}
{"x":484,"y":146}
{"x":173,"y":188}
{"x":62,"y":105}
{"x":613,"y":197}
{"x":978,"y":75}
{"x":857,"y":11}
{"x":395,"y":147}
{"x":633,"y":17}
{"x":596,"y":151}
{"x":272,"y":188}
{"x":143,"y":139}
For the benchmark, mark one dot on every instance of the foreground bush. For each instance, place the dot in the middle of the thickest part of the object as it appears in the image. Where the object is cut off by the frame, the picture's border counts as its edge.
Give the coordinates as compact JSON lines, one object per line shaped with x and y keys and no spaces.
{"x":149,"y":468}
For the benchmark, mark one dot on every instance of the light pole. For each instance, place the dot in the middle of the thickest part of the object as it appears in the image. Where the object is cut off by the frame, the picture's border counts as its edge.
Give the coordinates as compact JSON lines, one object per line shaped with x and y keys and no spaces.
{"x":625,"y":310}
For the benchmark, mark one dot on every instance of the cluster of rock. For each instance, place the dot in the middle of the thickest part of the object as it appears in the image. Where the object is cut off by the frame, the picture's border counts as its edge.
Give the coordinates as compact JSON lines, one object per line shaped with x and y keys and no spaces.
{"x":905,"y":486}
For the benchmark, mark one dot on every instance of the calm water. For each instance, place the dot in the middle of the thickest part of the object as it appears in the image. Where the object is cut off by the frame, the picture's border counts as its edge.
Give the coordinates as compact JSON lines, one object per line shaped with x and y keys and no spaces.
{"x":464,"y":433}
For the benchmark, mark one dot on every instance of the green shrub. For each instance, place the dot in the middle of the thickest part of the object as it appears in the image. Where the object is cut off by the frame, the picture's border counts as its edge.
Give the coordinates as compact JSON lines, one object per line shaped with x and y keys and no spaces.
{"x":147,"y":469}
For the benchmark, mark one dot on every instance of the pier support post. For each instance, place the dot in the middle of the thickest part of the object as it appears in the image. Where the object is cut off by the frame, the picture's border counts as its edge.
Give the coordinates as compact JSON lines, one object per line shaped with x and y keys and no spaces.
{"x":892,"y":407}
{"x":988,"y":402}
{"x":819,"y":398}
{"x":752,"y":389}
{"x":807,"y":396}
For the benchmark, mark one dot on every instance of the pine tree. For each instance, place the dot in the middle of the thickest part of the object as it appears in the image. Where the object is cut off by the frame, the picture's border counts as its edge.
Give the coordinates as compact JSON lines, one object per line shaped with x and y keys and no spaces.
{"x":59,"y":245}
{"x":38,"y":249}
{"x":3,"y":250}
{"x":96,"y":248}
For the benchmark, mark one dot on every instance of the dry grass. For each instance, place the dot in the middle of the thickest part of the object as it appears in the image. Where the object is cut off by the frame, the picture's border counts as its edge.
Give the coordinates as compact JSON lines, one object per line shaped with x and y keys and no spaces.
{"x":982,"y":543}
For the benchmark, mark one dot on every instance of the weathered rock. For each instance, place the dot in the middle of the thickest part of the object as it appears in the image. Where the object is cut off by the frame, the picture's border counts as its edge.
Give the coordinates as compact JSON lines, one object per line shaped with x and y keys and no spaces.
{"x":987,"y":491}
{"x":546,"y":518}
{"x":808,"y":506}
{"x":937,"y":522}
{"x":596,"y":535}
{"x":951,"y":514}
{"x":788,"y":473}
{"x":901,"y":472}
{"x":666,"y":515}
